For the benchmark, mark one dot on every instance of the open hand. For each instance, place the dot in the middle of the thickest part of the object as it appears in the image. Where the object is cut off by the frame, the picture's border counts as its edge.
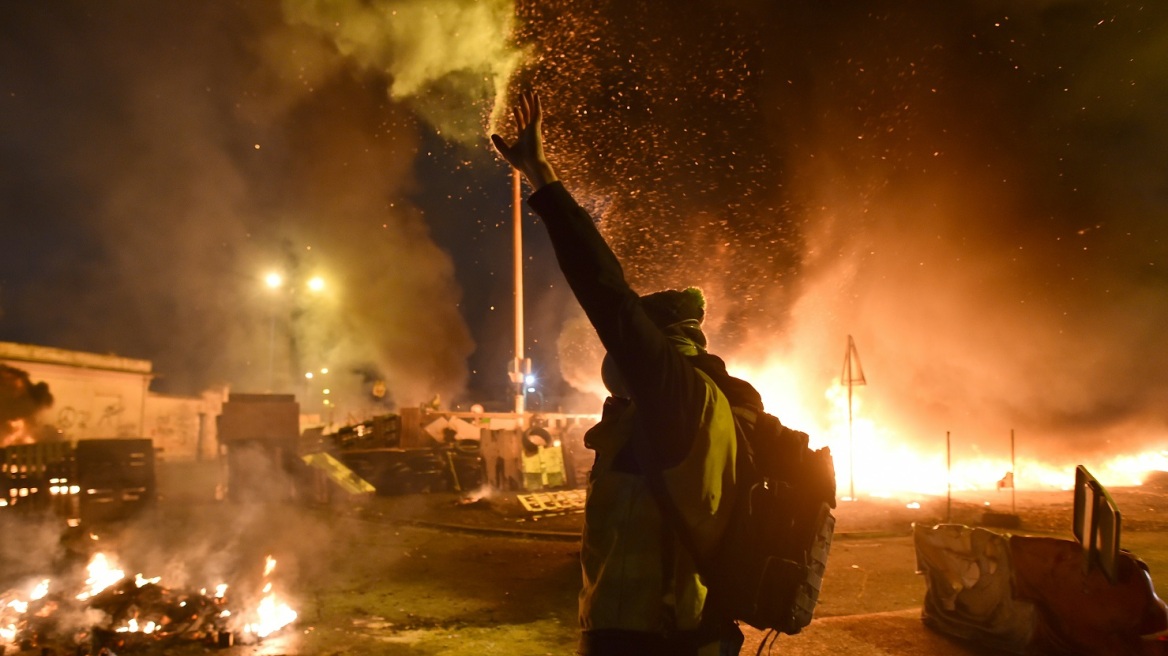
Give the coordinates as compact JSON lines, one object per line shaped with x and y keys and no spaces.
{"x":526,"y":154}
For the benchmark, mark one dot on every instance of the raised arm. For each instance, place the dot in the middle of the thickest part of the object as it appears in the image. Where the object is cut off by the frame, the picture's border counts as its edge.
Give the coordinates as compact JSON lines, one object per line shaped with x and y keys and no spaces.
{"x":663,"y":383}
{"x":526,"y":154}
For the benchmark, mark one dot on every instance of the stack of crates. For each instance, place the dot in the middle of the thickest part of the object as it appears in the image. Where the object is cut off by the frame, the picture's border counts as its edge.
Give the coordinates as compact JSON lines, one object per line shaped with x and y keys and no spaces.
{"x":94,"y":480}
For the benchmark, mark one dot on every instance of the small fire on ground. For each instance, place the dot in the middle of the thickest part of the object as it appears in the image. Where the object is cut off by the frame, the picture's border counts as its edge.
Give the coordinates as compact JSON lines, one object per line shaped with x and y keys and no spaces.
{"x":110,"y":610}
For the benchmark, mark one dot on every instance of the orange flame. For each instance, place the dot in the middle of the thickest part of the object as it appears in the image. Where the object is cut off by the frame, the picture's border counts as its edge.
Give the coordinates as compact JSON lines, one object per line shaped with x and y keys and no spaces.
{"x":102,"y":574}
{"x":272,"y":613}
{"x":887,"y":464}
{"x":12,"y":609}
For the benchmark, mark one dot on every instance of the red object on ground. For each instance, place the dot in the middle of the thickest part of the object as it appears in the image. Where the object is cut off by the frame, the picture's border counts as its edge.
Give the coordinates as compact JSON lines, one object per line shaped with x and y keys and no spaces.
{"x":1080,"y":612}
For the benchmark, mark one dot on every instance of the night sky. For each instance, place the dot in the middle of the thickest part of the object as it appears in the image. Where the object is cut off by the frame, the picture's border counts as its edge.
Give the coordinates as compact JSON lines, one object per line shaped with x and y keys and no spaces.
{"x":974,"y":190}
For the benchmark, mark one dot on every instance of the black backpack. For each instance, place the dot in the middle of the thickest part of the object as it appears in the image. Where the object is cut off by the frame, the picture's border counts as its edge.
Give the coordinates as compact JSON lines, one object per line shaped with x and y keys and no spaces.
{"x":768,"y":569}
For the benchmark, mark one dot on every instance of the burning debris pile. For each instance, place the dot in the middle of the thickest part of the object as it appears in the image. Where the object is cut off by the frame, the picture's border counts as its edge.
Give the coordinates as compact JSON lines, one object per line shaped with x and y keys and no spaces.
{"x":108,"y":610}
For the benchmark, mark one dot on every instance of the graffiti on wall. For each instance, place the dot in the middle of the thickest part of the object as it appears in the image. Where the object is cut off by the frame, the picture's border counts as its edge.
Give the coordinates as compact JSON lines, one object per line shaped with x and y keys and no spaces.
{"x":176,"y":428}
{"x":71,"y":421}
{"x":110,"y":420}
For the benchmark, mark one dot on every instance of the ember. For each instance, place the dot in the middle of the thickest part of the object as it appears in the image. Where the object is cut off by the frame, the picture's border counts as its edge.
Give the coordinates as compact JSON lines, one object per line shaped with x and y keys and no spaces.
{"x":113,"y":610}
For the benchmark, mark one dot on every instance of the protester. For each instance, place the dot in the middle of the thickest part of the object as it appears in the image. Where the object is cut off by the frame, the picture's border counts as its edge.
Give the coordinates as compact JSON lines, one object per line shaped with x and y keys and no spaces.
{"x":667,"y":414}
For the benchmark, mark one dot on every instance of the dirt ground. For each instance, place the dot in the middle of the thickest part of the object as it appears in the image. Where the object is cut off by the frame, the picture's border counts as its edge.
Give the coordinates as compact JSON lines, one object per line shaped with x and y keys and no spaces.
{"x":425,"y":574}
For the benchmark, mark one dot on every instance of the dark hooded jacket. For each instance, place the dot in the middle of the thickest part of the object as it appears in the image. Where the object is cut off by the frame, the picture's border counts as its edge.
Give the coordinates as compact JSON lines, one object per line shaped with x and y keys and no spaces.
{"x":637,"y":577}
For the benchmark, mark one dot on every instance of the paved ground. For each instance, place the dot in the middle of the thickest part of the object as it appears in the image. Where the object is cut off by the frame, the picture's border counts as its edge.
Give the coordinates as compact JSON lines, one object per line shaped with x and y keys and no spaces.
{"x":429,"y":574}
{"x":870,"y":605}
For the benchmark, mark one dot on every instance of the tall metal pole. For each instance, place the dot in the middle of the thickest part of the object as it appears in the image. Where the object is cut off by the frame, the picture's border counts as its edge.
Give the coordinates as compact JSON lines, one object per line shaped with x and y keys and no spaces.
{"x":518,"y":372}
{"x":948,"y":478}
{"x":272,"y":352}
{"x":1013,"y":477}
{"x":851,"y":440}
{"x":852,"y":377}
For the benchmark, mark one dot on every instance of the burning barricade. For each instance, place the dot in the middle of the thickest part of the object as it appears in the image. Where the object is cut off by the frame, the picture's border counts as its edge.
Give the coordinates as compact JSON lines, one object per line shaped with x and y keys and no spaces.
{"x":102,"y":607}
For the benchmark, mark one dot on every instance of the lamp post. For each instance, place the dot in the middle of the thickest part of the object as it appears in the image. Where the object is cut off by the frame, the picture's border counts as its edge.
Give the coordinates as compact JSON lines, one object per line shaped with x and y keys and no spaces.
{"x":273,"y":281}
{"x":276,"y":284}
{"x":520,"y":366}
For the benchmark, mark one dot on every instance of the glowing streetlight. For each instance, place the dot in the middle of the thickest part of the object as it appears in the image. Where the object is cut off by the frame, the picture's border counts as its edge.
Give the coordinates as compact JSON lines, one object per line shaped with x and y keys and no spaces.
{"x":294,"y":294}
{"x":274,"y":281}
{"x":309,"y":376}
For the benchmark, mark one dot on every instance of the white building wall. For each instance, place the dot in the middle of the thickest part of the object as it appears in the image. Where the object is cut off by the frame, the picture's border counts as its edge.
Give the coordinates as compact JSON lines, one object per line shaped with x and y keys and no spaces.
{"x":183,"y":427}
{"x":93,"y":395}
{"x":102,"y":396}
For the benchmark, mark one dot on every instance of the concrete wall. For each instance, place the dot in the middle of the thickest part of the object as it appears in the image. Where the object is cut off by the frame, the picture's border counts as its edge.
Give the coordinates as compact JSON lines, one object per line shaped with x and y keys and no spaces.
{"x":93,"y":395}
{"x":101,"y":396}
{"x":183,"y":427}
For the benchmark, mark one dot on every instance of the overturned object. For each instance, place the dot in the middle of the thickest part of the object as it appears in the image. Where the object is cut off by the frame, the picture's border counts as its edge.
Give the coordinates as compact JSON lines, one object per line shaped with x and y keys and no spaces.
{"x":1038,"y":595}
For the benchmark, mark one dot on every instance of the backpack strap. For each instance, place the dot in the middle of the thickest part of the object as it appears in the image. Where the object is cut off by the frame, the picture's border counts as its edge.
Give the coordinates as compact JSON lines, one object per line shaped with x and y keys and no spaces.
{"x":673,"y":519}
{"x":743,"y":414}
{"x":670,"y":514}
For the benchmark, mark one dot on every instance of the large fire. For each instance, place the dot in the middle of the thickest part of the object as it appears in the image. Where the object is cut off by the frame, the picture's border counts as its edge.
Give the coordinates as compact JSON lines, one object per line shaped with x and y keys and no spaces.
{"x":889,"y":464}
{"x":111,"y":603}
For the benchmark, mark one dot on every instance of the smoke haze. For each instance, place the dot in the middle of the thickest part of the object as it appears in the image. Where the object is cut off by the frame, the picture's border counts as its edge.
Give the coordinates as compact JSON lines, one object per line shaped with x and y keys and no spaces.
{"x":967,"y":189}
{"x":972,"y":189}
{"x":444,"y":59}
{"x":161,"y":158}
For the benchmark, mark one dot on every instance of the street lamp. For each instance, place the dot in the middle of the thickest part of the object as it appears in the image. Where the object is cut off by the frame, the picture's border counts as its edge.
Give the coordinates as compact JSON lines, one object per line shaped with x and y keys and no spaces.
{"x":308,"y":378}
{"x":274,"y":281}
{"x":276,"y":284}
{"x":530,"y":388}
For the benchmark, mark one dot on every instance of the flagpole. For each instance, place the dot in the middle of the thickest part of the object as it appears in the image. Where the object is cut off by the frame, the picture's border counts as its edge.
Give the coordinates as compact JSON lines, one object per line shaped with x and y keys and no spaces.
{"x":1013,"y":477}
{"x":948,"y":479}
{"x":851,"y":440}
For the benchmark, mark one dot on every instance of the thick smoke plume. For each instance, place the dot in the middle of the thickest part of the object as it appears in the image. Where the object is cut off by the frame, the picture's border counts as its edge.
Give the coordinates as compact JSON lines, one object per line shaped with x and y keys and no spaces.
{"x":450,"y":60}
{"x":964,"y":188}
{"x":21,"y":400}
{"x":160,"y":159}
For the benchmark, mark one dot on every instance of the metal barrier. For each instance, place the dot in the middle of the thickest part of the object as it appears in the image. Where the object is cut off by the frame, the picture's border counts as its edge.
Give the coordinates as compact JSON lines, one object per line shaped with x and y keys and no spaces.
{"x":94,"y":479}
{"x":1096,"y":524}
{"x":38,"y":477}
